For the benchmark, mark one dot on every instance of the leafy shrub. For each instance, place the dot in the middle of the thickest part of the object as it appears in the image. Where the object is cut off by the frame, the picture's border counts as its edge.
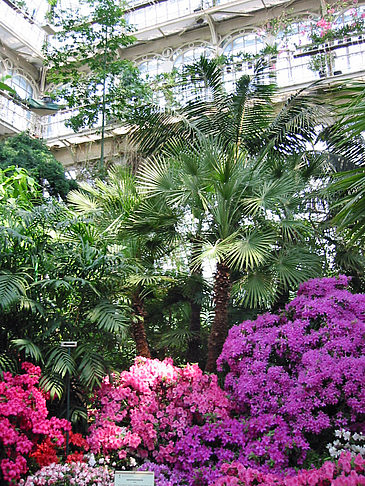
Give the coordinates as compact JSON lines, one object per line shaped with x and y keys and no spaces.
{"x":298,"y":376}
{"x":27,"y":436}
{"x":34,"y":156}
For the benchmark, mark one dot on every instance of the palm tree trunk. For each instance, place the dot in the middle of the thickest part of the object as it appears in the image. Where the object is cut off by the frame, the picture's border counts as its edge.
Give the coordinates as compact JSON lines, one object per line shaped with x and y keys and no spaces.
{"x":218,"y":333}
{"x":139,"y":331}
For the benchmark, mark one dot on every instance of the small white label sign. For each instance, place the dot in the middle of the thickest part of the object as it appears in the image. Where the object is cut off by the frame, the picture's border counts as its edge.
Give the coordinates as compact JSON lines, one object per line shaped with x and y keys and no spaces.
{"x":134,"y":478}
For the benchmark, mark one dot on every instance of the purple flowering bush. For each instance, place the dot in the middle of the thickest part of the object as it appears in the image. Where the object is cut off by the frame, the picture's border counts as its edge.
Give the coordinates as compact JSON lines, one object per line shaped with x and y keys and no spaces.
{"x":298,"y":376}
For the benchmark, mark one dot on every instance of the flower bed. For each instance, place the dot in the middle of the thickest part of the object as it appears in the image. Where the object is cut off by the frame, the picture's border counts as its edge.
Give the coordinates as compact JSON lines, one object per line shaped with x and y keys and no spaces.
{"x":28,"y":438}
{"x":293,"y":394}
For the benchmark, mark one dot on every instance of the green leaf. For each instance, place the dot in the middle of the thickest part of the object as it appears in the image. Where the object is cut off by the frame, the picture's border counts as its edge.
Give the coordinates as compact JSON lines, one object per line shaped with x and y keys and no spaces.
{"x":13,"y":287}
{"x":255,"y":290}
{"x":52,"y":383}
{"x":251,"y":250}
{"x":92,"y":367}
{"x":30,"y":349}
{"x":61,"y":362}
{"x":110,"y":318}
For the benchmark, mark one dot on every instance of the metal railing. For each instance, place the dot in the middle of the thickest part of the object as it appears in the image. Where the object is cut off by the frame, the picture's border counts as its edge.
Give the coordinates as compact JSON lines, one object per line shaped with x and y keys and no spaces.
{"x":291,"y":68}
{"x":20,"y":27}
{"x":17,"y":117}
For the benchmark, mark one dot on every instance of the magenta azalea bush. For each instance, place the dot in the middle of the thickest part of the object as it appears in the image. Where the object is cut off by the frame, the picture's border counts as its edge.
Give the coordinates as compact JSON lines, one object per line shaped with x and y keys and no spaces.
{"x":155,"y":412}
{"x":346,"y":472}
{"x":298,"y":376}
{"x":24,"y":424}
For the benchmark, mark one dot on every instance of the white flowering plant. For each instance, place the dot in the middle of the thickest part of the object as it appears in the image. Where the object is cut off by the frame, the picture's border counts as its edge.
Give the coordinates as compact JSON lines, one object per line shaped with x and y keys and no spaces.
{"x":346,"y":441}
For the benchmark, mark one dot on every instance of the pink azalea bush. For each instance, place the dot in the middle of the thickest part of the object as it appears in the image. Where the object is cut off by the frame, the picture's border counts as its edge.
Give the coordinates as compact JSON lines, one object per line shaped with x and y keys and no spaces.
{"x":347,"y":472}
{"x":24,"y":424}
{"x":71,"y":474}
{"x":162,"y":413}
{"x":298,"y":376}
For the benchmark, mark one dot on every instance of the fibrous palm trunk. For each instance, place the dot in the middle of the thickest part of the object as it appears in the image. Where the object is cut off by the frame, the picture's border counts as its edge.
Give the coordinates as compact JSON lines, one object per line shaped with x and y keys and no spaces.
{"x":218,"y":333}
{"x":139,"y":331}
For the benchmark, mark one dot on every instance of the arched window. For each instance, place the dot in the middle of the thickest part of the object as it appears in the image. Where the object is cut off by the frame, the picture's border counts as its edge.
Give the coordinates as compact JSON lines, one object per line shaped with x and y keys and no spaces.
{"x":21,"y":85}
{"x":149,"y":69}
{"x":236,"y":51}
{"x":192,"y":54}
{"x":184,"y":58}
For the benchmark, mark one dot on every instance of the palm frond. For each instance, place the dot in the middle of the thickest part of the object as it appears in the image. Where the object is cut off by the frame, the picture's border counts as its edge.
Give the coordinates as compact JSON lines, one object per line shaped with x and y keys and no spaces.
{"x":254,"y":290}
{"x":29,"y":348}
{"x":92,"y":367}
{"x":270,"y":194}
{"x":250,"y":250}
{"x":8,"y":363}
{"x":82,"y":201}
{"x":351,"y":207}
{"x":60,"y":362}
{"x":175,"y":338}
{"x":216,"y":251}
{"x":52,"y":383}
{"x":146,"y":280}
{"x":110,"y":318}
{"x":25,"y":303}
{"x":13,"y":287}
{"x":292,"y":266}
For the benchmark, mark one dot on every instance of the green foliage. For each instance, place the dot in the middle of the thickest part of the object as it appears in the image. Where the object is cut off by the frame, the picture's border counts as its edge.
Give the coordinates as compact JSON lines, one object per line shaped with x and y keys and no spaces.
{"x":34,"y":156}
{"x":85,"y":65}
{"x":5,"y":87}
{"x":58,"y":282}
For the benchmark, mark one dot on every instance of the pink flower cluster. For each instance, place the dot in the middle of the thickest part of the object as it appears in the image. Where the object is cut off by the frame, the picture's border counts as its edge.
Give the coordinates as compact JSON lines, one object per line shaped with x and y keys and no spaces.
{"x":24,"y":425}
{"x":324,"y":25}
{"x":298,"y":376}
{"x":345,"y":473}
{"x":154,"y":411}
{"x":71,"y":475}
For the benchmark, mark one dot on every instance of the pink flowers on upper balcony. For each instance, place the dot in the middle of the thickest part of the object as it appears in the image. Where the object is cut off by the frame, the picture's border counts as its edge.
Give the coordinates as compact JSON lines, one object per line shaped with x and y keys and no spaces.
{"x":324,"y":25}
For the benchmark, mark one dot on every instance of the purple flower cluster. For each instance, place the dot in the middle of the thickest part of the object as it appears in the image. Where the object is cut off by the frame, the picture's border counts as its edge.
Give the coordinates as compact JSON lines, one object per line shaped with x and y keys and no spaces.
{"x":296,"y":377}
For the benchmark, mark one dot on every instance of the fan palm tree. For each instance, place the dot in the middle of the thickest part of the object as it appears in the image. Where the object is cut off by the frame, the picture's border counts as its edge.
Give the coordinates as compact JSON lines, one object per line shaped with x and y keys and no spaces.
{"x":246,"y":188}
{"x":113,"y":205}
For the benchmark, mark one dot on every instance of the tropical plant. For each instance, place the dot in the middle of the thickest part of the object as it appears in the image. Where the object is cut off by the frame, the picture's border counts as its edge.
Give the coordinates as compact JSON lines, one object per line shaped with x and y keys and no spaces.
{"x":113,"y":205}
{"x":85,"y":66}
{"x":35,"y":157}
{"x":240,"y":166}
{"x":58,"y":282}
{"x":347,"y":187}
